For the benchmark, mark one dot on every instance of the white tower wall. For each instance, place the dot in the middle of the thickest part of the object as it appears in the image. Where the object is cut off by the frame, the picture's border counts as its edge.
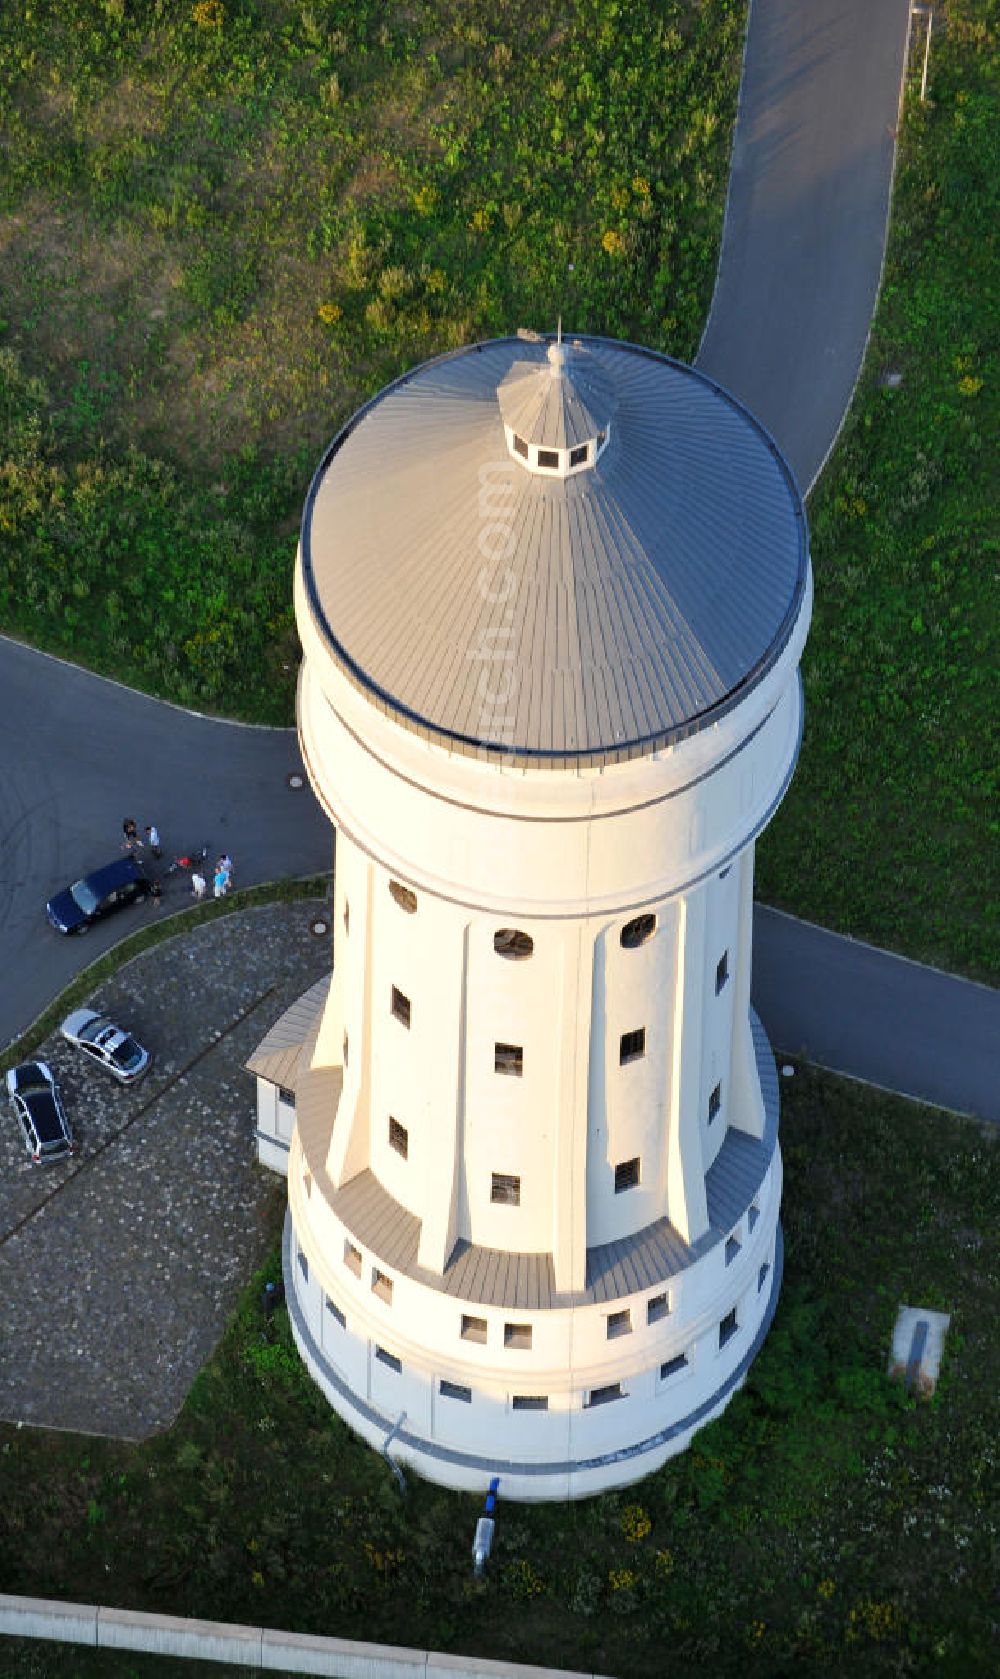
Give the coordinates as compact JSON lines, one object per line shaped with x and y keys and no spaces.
{"x":534,"y":1180}
{"x":569,"y":860}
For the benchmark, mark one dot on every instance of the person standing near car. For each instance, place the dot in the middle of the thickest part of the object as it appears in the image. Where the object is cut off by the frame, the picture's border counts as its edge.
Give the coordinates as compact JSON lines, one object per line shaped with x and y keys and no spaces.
{"x":131,"y":834}
{"x":153,"y":839}
{"x":198,"y":883}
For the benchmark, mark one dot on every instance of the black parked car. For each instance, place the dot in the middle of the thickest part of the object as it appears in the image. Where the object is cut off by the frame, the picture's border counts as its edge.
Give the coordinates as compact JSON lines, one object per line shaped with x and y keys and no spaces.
{"x":34,"y":1096}
{"x":119,"y":883}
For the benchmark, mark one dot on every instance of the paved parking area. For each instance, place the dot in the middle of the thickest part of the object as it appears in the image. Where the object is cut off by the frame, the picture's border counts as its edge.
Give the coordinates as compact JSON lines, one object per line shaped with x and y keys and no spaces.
{"x":119,"y":1268}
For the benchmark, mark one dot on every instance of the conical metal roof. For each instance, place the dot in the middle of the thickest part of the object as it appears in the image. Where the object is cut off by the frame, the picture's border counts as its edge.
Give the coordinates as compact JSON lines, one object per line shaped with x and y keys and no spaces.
{"x":551,"y":621}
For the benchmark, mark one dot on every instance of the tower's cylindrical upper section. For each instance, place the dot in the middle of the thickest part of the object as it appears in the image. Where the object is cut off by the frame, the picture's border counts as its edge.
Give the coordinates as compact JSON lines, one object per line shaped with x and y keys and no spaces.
{"x":554,"y":555}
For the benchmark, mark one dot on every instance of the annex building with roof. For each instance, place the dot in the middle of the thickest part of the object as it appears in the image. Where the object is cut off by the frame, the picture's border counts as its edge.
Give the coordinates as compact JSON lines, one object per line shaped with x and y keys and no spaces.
{"x":552,"y":598}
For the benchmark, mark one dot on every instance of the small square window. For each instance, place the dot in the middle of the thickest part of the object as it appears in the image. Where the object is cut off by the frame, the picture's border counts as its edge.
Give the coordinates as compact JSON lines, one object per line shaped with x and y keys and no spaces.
{"x":303,"y":1266}
{"x":336,"y":1314}
{"x":474,"y":1329}
{"x":762,"y":1276}
{"x":657,"y":1308}
{"x":715,"y":1103}
{"x":352,"y":1258}
{"x":505,"y":1191}
{"x":619,"y":1323}
{"x":605,"y":1395}
{"x":390,"y":1360}
{"x":400,"y":1007}
{"x":732,"y":1249}
{"x":509,"y":1058}
{"x":518,"y":1336}
{"x":633,"y":1045}
{"x":455,"y":1390}
{"x":548,"y":457}
{"x":721,"y":972}
{"x":673,"y":1367}
{"x":753,"y":1214}
{"x":399,"y":1138}
{"x":530,"y":1402}
{"x":286,"y":1096}
{"x":382,"y":1286}
{"x":626,"y":1175}
{"x":728,"y":1327}
{"x":578,"y":455}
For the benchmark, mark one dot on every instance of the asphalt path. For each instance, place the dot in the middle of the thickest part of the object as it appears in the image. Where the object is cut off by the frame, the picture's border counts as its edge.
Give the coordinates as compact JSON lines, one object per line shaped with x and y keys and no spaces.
{"x":807,"y":214}
{"x":848,"y":1006}
{"x":79,"y":754}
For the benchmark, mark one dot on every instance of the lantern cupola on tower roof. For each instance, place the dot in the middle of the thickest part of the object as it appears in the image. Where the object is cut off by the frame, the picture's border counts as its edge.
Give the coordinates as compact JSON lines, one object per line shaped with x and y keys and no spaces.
{"x":557,"y":413}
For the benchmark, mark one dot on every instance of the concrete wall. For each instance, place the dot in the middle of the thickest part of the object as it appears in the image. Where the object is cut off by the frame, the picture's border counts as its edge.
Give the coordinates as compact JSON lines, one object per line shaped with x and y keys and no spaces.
{"x":258,"y":1648}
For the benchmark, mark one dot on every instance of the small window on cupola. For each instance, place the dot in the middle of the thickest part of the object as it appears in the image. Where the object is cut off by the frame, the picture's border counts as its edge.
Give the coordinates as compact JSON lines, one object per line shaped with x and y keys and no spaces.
{"x":520,"y":447}
{"x":549,"y":458}
{"x":578,"y":456}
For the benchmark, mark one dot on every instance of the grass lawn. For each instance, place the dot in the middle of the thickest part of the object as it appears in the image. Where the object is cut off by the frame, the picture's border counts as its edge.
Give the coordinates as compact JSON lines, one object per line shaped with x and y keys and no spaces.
{"x":224,"y":225}
{"x":891,"y":828}
{"x":825,"y":1523}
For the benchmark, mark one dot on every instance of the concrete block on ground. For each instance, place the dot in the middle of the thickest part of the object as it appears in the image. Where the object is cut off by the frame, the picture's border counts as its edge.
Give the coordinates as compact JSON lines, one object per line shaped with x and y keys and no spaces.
{"x":37,"y":1617}
{"x":169,"y":1635}
{"x":917,"y":1345}
{"x":338,"y":1658}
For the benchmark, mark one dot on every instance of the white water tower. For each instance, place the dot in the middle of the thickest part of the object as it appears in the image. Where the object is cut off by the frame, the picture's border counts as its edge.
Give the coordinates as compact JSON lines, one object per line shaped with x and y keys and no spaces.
{"x":552,"y":599}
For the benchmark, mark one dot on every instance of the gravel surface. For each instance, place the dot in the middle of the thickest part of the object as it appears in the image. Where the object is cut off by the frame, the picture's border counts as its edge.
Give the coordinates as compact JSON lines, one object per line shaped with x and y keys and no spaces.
{"x":120,"y":1267}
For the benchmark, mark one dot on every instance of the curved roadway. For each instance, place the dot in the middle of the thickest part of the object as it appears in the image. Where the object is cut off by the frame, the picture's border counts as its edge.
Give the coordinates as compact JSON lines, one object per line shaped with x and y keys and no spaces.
{"x":798,"y":279}
{"x":806,"y":220}
{"x":77,"y":755}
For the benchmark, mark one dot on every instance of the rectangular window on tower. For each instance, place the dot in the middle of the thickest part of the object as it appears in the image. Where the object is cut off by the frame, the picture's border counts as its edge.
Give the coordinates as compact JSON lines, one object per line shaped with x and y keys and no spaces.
{"x":509,"y":1058}
{"x":399,"y":1138}
{"x":627,"y":1175}
{"x":619,"y":1323}
{"x":715,"y":1103}
{"x":505,"y":1191}
{"x":721,"y":972}
{"x":400,"y":1007}
{"x":633,"y":1045}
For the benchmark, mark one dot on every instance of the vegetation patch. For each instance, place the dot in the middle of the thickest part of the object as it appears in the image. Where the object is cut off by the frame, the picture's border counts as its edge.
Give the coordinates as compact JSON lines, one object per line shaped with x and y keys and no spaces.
{"x":826,"y":1523}
{"x":225,"y":225}
{"x":891,"y":828}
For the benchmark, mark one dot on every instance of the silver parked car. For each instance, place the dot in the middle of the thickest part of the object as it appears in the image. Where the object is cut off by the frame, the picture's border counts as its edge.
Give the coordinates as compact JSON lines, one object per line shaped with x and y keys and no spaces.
{"x":106,"y":1044}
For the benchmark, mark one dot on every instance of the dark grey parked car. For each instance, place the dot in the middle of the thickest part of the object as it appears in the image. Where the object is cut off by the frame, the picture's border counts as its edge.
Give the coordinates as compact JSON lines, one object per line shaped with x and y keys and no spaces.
{"x":35,"y":1098}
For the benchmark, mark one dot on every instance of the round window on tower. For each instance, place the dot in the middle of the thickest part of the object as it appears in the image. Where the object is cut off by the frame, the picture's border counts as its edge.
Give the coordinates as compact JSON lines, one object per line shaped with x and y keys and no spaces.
{"x":513,"y":944}
{"x":636,"y":932}
{"x":402,"y":895}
